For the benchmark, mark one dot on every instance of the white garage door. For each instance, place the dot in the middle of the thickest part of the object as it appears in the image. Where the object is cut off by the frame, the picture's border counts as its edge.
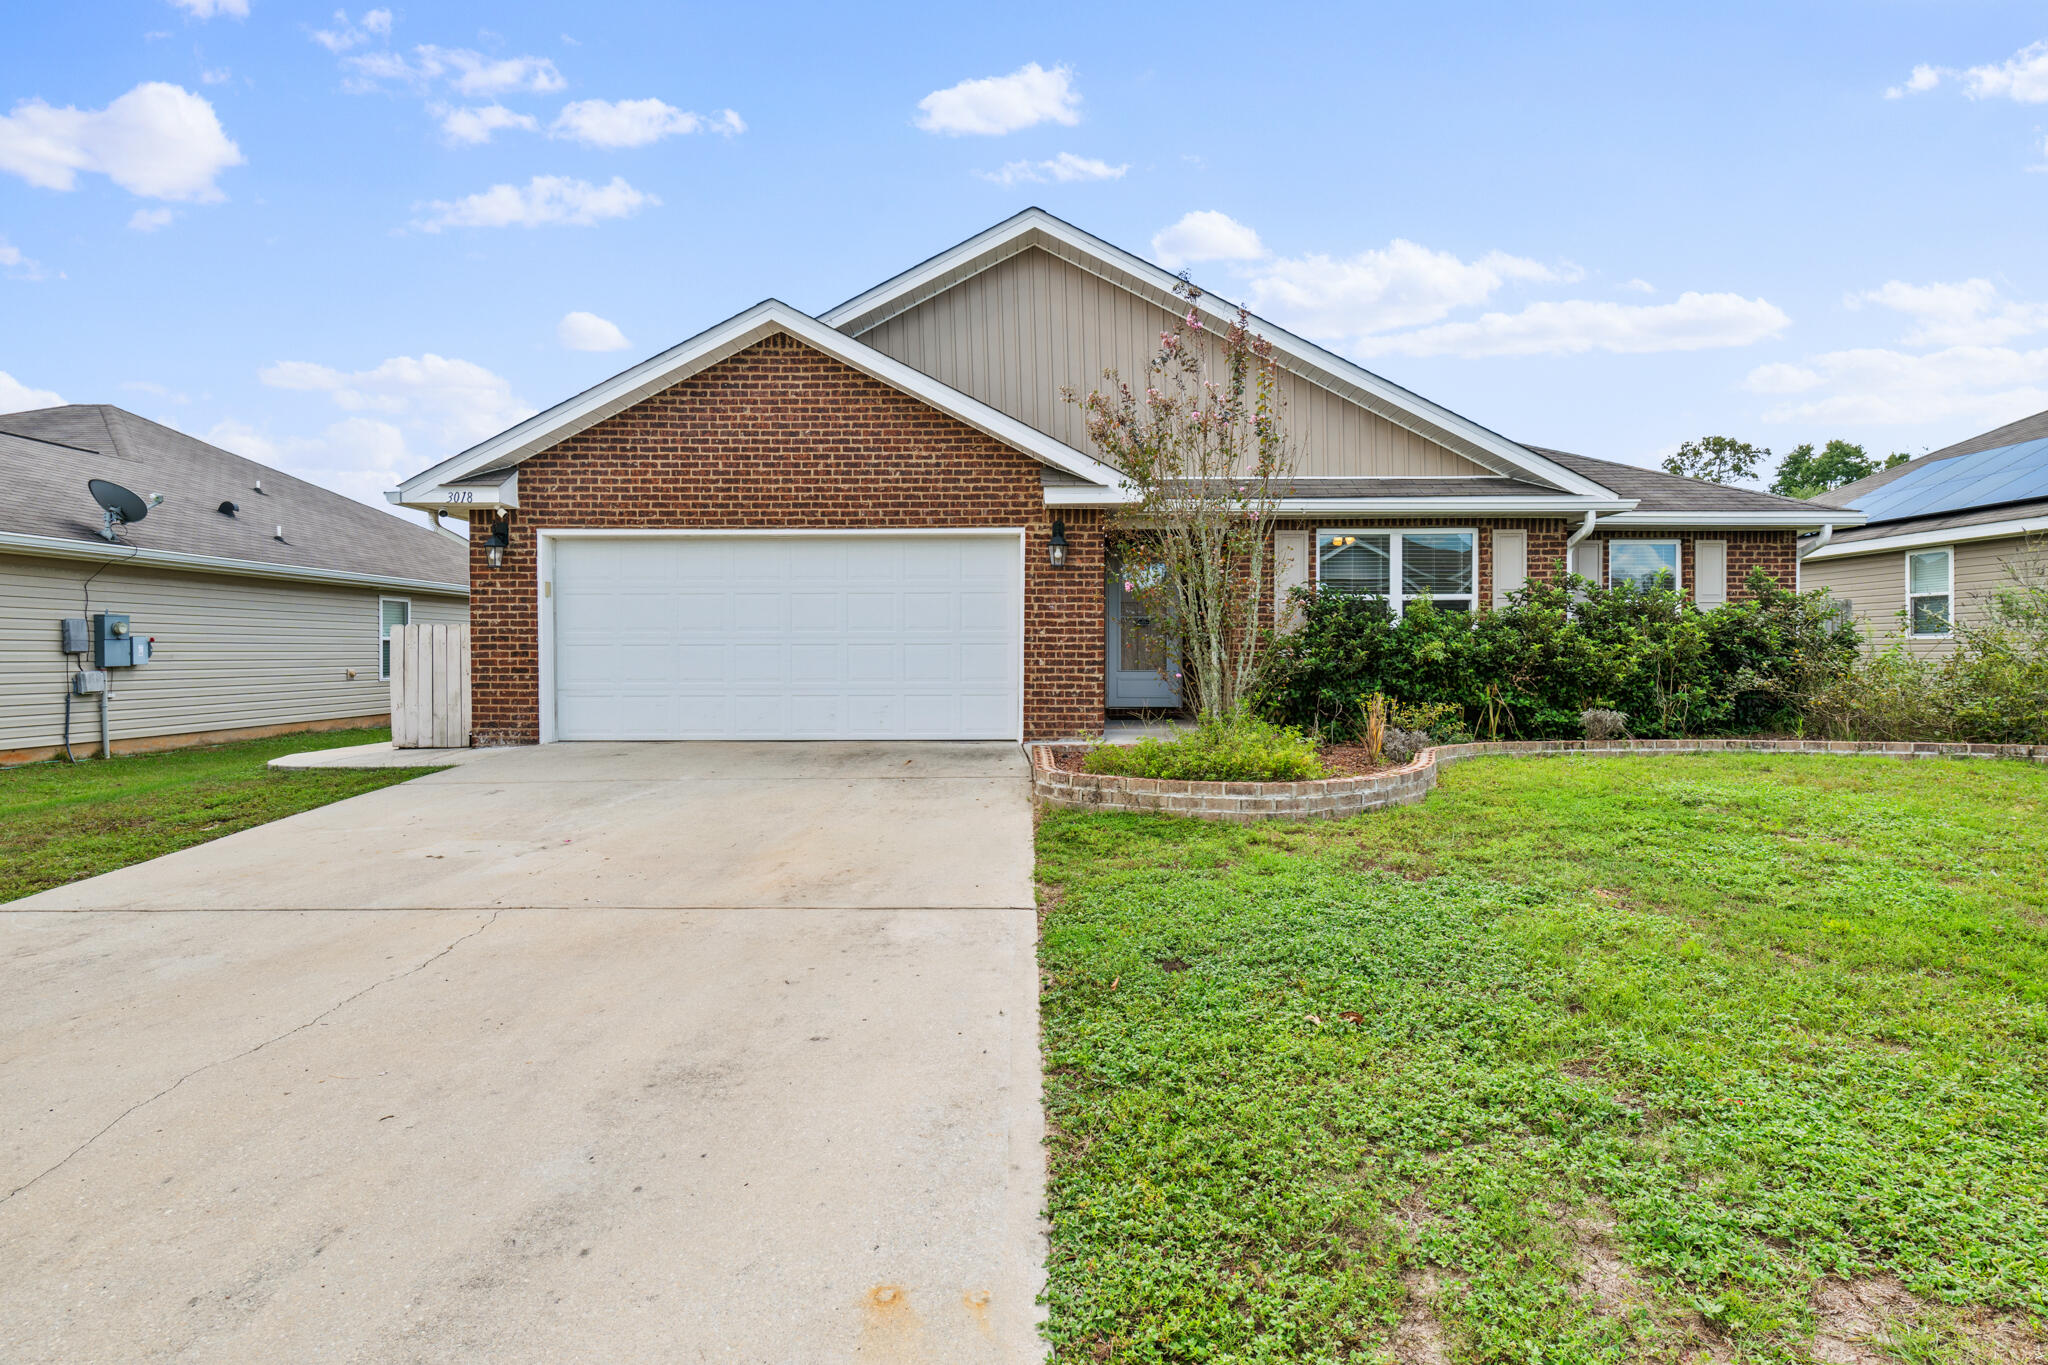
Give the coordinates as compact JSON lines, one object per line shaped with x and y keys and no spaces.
{"x":788,"y":637}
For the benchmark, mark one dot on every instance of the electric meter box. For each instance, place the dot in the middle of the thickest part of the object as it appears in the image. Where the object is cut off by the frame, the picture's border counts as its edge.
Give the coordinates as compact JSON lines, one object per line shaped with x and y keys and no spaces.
{"x":112,"y":644}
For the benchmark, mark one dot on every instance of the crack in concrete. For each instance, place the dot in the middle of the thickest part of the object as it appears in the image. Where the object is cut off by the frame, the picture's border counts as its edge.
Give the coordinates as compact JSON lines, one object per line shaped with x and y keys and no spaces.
{"x":250,"y":1052}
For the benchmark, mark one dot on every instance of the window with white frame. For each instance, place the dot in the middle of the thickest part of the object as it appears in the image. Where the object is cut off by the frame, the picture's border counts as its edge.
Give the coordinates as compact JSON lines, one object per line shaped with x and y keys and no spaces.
{"x":1930,"y":588}
{"x":1401,"y":566}
{"x":1645,"y":563}
{"x":391,"y":611}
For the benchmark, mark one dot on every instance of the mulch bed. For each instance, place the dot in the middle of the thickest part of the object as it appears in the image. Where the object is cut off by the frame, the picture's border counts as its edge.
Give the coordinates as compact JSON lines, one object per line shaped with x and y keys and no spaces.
{"x":1341,"y":760}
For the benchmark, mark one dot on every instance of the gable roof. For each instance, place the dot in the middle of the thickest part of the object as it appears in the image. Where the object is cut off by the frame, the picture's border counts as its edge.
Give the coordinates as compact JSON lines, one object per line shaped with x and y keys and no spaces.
{"x":1662,"y":498}
{"x":1034,"y":227}
{"x":1988,"y":487}
{"x":47,"y":455}
{"x":502,"y":454}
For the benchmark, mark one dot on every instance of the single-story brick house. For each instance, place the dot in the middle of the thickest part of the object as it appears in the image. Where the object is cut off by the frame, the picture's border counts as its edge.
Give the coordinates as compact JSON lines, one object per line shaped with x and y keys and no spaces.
{"x":843,"y":526}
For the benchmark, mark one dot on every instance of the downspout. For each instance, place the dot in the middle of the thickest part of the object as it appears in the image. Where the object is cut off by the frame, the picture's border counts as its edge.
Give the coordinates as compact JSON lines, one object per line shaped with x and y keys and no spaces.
{"x":1584,"y":530}
{"x":1827,"y":533}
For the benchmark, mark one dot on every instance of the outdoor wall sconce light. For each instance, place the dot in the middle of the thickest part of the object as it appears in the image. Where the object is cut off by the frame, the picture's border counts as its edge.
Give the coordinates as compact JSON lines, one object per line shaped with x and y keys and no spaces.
{"x":500,"y":537}
{"x":1056,"y":548}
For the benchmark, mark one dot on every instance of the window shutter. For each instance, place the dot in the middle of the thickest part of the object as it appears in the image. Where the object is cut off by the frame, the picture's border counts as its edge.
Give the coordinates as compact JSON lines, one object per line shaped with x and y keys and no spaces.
{"x":1709,"y":573}
{"x":1510,"y":564}
{"x":1586,"y":561}
{"x":1290,"y":571}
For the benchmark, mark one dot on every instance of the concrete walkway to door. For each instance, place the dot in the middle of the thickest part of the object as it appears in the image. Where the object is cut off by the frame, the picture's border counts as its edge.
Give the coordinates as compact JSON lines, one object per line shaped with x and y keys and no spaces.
{"x":718,"y":1052}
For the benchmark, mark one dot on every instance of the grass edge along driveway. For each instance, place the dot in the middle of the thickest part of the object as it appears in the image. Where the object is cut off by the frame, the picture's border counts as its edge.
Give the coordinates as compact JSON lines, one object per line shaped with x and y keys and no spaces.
{"x":60,"y":822}
{"x":1738,"y":1058}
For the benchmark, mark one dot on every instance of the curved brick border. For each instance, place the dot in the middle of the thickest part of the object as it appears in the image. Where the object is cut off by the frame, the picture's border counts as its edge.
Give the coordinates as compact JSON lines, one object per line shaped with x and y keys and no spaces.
{"x":1332,"y":797}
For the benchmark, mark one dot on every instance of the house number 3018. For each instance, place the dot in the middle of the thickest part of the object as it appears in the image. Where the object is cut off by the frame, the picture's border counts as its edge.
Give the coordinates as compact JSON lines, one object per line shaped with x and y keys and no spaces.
{"x":462,"y":497}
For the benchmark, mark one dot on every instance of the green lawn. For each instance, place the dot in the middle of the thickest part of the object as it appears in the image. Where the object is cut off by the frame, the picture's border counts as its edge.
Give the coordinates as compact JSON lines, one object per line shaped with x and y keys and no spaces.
{"x":60,"y":822}
{"x":1585,"y":1059}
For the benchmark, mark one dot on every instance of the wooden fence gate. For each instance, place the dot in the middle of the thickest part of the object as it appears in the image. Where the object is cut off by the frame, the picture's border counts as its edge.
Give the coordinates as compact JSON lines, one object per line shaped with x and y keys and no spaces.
{"x":430,"y":687}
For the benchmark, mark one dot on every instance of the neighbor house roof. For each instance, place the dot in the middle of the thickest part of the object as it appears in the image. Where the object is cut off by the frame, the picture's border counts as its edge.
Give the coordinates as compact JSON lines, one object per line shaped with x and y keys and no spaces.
{"x":47,"y":455}
{"x":1667,"y":499}
{"x":1987,"y":487}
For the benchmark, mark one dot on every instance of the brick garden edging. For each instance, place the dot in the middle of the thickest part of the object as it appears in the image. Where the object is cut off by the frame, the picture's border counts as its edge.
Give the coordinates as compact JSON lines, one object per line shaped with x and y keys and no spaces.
{"x":1333,"y":797}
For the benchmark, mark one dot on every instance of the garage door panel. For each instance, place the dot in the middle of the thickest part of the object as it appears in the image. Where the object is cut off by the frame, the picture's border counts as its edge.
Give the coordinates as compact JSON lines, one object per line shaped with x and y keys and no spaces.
{"x":787,"y":637}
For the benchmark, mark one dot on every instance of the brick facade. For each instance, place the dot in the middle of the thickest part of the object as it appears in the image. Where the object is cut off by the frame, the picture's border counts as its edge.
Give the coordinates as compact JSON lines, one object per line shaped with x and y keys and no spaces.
{"x":1776,"y":552}
{"x":781,"y":435}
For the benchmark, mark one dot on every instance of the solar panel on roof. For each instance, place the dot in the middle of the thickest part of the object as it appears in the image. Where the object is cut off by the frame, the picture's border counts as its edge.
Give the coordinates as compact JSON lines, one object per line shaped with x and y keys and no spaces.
{"x":2011,"y":473}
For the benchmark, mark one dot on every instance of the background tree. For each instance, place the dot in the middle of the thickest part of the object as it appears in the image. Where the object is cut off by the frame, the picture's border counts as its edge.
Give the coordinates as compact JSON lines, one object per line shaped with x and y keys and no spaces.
{"x":1803,"y":474}
{"x":1205,"y":454}
{"x":1717,"y":459}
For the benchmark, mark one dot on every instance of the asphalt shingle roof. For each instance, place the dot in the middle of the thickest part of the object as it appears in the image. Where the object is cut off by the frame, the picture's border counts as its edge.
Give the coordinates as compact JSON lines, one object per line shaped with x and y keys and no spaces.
{"x":47,"y":455}
{"x":1656,"y":491}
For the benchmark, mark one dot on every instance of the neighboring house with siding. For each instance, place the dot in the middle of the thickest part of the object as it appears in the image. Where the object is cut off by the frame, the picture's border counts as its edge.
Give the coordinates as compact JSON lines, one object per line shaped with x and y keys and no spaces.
{"x":254,"y":633}
{"x":1941,"y":534}
{"x":883,"y":521}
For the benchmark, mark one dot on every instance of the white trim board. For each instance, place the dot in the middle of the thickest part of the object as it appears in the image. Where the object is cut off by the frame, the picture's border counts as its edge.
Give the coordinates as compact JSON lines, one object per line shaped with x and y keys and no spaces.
{"x":56,"y":547}
{"x":707,"y":348}
{"x":544,"y":565}
{"x":1913,"y":540}
{"x":1035,"y":227}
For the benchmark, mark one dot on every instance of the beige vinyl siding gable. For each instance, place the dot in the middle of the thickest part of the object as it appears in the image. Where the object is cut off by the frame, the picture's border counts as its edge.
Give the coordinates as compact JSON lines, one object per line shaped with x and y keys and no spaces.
{"x":231,"y":652}
{"x":1875,"y":585}
{"x":1017,"y":333}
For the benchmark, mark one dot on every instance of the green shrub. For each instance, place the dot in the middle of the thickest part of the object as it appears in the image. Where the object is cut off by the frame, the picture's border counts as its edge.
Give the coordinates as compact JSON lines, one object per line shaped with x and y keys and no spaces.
{"x":1531,"y":668}
{"x":1241,"y":749}
{"x":1990,"y":688}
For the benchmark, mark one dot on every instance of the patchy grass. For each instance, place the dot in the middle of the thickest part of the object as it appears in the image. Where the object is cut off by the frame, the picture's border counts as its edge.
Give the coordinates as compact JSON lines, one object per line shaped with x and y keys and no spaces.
{"x":60,"y":822}
{"x":1723,"y":1058}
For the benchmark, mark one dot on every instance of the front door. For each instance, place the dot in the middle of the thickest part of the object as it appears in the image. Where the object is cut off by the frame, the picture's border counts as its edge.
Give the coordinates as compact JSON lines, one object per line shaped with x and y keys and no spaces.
{"x":1141,"y":661}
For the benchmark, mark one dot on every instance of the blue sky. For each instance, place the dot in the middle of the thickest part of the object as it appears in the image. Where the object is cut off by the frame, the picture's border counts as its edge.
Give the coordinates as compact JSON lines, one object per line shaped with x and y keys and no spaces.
{"x":351,"y":243}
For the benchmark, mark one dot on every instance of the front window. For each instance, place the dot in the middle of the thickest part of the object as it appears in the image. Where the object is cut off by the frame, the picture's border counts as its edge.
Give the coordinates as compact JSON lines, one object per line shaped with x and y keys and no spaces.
{"x":1439,"y":565}
{"x":1929,"y":586}
{"x":1646,"y":564}
{"x":392,"y":611}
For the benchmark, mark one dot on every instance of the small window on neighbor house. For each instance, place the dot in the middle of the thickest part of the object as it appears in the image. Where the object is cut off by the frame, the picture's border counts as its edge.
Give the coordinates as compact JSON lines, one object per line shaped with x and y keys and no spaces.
{"x":1645,"y":563}
{"x":1930,"y":583}
{"x":392,"y":611}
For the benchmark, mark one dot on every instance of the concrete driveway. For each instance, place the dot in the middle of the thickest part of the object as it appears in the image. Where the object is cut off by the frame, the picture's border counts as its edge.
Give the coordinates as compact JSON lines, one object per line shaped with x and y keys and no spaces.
{"x":591,"y":1052}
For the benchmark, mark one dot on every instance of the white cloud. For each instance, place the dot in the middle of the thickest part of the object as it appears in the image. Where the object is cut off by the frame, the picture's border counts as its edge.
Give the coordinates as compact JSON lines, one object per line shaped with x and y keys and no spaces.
{"x":1989,"y":385}
{"x":635,"y":123}
{"x":345,"y":35}
{"x":1062,"y":169}
{"x":469,"y":125}
{"x":589,"y":332}
{"x":1002,"y":104}
{"x":149,"y":220}
{"x":1968,"y":313}
{"x":546,"y":200}
{"x":455,"y":403}
{"x":358,"y":457}
{"x":206,"y":9}
{"x":1693,"y":322}
{"x":1400,"y":285}
{"x":462,"y":70}
{"x":17,"y":265}
{"x":1639,"y":287}
{"x":215,"y":75}
{"x":159,"y":141}
{"x":16,"y":396}
{"x":1205,"y":235}
{"x":2022,"y":77}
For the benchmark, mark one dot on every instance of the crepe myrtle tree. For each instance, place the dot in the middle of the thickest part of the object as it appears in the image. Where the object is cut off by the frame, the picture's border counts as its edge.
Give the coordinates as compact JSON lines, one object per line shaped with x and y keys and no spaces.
{"x":1204,"y":451}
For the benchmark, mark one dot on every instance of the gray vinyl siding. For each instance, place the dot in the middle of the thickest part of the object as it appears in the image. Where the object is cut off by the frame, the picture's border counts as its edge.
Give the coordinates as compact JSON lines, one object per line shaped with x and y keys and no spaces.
{"x":1017,"y":333}
{"x":231,"y":652}
{"x":1875,"y":585}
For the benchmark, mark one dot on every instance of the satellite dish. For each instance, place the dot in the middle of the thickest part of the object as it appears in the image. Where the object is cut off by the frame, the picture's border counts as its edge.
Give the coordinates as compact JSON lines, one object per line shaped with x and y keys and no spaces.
{"x":120,"y":505}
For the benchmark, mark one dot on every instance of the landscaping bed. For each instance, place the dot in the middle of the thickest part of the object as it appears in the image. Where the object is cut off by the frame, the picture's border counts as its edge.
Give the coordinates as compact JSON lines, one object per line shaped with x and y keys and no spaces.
{"x":61,"y":821}
{"x":1723,"y":1057}
{"x":1340,"y":760}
